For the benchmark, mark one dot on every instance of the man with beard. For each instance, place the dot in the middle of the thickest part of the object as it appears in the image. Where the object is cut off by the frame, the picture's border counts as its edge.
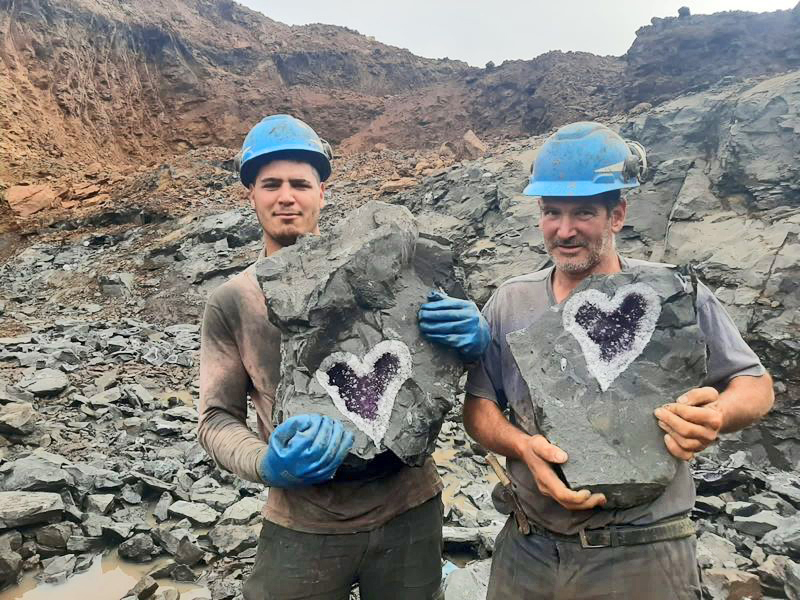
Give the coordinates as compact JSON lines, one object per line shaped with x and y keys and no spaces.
{"x":320,"y":534}
{"x":648,"y":551}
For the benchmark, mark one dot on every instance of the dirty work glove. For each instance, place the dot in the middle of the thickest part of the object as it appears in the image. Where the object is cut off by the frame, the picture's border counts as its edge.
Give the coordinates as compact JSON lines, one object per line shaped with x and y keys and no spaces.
{"x":304,"y":450}
{"x":455,"y":323}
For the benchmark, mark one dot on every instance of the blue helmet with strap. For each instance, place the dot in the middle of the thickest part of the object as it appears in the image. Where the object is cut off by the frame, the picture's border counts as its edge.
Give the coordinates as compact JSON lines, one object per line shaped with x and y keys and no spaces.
{"x":282,"y":137}
{"x":584,"y":159}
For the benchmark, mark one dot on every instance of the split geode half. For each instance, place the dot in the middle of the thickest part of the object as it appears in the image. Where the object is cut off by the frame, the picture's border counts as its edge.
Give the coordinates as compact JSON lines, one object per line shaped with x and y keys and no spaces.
{"x":346,"y":304}
{"x":601,"y":363}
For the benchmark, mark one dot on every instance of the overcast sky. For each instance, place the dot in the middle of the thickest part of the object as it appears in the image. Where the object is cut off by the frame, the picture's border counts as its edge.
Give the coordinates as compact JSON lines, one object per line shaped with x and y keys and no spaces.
{"x":477,"y":31}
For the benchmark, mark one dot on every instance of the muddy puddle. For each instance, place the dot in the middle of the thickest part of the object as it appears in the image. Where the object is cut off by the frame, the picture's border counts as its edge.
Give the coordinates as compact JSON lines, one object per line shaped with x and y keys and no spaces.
{"x":109,"y":578}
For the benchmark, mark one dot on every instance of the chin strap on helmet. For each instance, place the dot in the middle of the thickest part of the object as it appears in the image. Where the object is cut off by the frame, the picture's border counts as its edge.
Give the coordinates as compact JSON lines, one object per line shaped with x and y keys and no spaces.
{"x":635,"y":165}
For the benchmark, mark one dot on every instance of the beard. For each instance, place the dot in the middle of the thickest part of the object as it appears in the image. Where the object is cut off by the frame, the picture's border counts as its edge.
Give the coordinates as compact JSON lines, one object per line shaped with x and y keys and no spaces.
{"x":286,"y":237}
{"x":283,"y":235}
{"x":577,"y":266}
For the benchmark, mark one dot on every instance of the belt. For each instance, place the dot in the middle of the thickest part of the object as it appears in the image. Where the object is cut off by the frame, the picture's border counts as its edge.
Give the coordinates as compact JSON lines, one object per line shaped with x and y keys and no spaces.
{"x":623,"y":535}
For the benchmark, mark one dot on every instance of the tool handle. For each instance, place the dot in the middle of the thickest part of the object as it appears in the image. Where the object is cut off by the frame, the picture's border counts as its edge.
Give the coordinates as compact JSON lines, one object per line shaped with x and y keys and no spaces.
{"x":498,"y":470}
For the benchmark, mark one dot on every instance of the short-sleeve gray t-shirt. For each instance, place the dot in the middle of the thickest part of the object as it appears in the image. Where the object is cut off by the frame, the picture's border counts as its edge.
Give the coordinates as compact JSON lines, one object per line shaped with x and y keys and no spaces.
{"x":518,"y":304}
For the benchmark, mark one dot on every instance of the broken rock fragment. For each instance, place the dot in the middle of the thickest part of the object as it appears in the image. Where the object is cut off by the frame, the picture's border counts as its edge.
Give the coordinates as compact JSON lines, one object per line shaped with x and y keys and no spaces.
{"x":346,"y":304}
{"x":600,"y":364}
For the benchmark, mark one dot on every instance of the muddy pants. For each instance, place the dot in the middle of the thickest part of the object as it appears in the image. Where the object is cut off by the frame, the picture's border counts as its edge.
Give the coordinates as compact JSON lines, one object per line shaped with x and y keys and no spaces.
{"x":535,"y":567}
{"x":401,"y":560}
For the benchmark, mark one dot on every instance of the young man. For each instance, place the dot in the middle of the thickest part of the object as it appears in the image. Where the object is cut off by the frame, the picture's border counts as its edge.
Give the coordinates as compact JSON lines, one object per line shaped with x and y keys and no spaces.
{"x":578,"y":175}
{"x":320,"y":534}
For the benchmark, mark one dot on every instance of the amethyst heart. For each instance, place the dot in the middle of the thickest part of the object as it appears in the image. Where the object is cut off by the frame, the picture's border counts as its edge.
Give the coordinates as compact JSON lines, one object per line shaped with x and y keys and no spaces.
{"x":612,"y":332}
{"x":365,"y":391}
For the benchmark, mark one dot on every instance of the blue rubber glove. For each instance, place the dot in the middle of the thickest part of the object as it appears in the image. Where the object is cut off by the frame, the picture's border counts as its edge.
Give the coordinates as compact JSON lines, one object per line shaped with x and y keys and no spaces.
{"x":455,"y":323}
{"x":305,"y":450}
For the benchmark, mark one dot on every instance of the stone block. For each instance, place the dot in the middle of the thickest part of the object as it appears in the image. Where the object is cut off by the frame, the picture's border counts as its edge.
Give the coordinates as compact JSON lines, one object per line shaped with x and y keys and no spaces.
{"x":597,"y":367}
{"x":346,"y":304}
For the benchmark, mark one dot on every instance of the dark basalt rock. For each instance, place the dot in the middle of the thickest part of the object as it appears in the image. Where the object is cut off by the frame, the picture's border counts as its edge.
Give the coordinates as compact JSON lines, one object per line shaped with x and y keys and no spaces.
{"x":600,"y":363}
{"x":346,"y":304}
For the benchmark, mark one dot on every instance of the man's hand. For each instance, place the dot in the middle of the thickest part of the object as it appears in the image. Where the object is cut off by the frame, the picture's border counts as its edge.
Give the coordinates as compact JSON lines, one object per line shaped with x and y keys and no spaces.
{"x":455,"y":323}
{"x":692,"y":423}
{"x":538,"y":453}
{"x":305,"y":450}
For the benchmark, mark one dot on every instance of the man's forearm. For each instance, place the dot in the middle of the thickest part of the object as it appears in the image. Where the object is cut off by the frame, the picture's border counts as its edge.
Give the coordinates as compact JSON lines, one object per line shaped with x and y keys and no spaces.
{"x":744,"y":401}
{"x":231,"y":444}
{"x":486,"y":424}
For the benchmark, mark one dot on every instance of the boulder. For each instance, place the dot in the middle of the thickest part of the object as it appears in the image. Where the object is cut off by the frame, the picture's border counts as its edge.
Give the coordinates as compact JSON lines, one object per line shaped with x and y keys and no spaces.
{"x":346,"y":306}
{"x":598,"y":366}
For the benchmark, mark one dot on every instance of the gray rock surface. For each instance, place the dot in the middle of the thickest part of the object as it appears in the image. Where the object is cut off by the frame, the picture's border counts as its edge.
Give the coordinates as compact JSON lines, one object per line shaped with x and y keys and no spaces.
{"x":773,"y":574}
{"x":196,"y":512}
{"x":730,"y":584}
{"x":229,"y":540}
{"x":714,"y":551}
{"x":17,"y":419}
{"x":41,"y":471}
{"x":27,"y":508}
{"x":58,"y":568}
{"x":47,"y":382}
{"x":784,"y":540}
{"x":140,"y":548}
{"x":469,"y":583}
{"x":792,"y":585}
{"x":343,"y":302}
{"x":758,"y":524}
{"x":241,"y":513}
{"x":611,"y":436}
{"x":144,"y":588}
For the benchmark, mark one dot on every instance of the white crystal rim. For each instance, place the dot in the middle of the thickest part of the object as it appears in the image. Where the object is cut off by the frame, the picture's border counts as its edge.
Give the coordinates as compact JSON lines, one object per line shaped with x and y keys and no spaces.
{"x":605,"y":372}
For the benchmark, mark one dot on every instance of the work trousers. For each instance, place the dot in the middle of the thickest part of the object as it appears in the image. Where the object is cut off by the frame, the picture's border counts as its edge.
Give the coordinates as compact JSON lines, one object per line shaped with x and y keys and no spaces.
{"x":400,"y":560}
{"x":535,"y":567}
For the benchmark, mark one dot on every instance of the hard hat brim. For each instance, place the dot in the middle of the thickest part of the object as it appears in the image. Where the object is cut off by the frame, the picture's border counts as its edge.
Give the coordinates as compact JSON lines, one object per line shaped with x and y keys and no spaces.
{"x":319,"y":161}
{"x":569,"y":189}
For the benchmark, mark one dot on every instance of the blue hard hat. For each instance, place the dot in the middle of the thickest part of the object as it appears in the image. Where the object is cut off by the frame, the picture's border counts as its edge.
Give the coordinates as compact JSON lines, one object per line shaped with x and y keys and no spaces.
{"x":584,"y":159}
{"x":282,"y":137}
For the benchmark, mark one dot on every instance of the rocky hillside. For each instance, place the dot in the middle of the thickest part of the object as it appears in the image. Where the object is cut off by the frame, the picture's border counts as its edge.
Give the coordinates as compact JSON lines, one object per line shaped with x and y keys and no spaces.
{"x":124,"y":82}
{"x":517,"y":98}
{"x":679,"y":54}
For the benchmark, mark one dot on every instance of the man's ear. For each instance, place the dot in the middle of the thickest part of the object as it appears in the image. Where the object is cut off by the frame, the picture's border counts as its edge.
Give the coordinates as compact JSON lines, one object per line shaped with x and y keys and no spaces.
{"x":321,"y":194}
{"x":618,"y":214}
{"x":251,"y":195}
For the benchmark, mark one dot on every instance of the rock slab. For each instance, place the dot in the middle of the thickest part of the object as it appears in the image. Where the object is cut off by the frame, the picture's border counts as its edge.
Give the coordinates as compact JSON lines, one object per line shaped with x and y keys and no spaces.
{"x":595,"y":395}
{"x":28,"y":508}
{"x":346,"y":304}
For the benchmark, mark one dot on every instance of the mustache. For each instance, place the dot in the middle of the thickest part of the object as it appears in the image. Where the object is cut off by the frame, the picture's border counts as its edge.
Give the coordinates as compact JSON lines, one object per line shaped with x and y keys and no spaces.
{"x":568,"y":243}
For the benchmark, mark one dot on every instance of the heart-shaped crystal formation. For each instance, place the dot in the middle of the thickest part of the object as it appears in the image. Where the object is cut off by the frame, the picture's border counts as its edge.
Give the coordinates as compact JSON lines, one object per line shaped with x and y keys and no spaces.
{"x":612,"y":332}
{"x":364,"y":391}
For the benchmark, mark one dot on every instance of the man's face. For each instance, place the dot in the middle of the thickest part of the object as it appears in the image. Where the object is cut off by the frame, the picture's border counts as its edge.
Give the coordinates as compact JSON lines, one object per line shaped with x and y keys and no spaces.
{"x":287,"y":197}
{"x":578,"y":234}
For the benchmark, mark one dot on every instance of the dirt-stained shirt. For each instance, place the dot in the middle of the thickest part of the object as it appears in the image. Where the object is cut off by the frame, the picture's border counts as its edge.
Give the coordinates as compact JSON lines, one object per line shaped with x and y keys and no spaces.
{"x":518,"y":304}
{"x":240,"y":357}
